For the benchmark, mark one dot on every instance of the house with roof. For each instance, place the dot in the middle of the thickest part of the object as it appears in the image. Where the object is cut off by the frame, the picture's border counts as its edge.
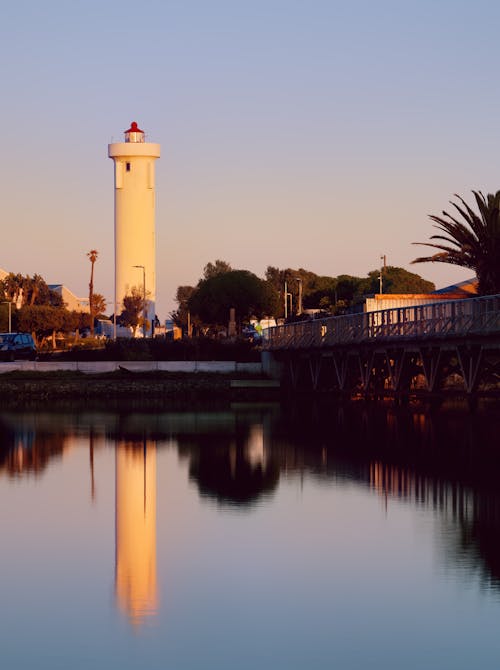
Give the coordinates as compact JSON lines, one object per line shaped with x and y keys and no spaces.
{"x":72,"y":302}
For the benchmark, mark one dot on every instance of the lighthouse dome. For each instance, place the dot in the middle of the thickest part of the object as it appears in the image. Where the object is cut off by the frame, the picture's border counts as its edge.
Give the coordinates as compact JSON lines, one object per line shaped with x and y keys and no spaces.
{"x":134,"y":133}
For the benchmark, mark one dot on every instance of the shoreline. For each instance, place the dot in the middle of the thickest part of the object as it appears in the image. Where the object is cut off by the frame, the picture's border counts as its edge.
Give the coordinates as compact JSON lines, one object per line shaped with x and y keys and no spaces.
{"x":20,"y":387}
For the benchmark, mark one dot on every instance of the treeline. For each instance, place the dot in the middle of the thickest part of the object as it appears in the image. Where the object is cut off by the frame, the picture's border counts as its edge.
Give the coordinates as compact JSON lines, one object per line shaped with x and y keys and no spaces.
{"x":221,"y":288}
{"x":37,"y":309}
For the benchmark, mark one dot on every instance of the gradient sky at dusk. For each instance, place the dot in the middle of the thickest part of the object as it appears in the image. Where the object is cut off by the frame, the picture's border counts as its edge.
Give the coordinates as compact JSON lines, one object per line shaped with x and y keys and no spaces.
{"x":305,"y":134}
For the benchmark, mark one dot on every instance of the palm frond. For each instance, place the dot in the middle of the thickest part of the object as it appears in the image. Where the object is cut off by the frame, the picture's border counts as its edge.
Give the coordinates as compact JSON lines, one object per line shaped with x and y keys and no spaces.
{"x":469,"y":239}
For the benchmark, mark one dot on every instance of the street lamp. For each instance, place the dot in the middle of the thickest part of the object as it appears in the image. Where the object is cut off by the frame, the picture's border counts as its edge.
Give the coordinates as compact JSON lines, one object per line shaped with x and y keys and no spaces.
{"x":145,"y":308}
{"x":382,"y":268}
{"x":286,"y":296}
{"x":299,"y":308}
{"x":6,"y":302}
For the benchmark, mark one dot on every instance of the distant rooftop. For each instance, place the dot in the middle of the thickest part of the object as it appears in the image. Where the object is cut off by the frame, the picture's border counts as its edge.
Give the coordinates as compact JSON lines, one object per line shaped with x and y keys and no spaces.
{"x":464,"y":289}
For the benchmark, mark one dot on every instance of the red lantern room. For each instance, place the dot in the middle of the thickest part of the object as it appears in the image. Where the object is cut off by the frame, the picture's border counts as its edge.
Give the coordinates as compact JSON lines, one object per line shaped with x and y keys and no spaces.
{"x":134,"y":133}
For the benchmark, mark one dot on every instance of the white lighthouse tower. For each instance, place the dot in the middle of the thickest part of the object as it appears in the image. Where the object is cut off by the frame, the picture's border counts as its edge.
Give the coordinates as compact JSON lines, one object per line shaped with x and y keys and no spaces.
{"x":135,"y":258}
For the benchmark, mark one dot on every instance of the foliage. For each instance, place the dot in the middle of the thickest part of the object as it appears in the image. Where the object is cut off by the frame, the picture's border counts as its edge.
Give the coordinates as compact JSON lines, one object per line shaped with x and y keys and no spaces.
{"x":398,"y":280}
{"x":213,"y":269}
{"x":42,"y":320}
{"x":99,"y":305}
{"x":133,"y":309}
{"x":220,"y":289}
{"x":161,"y":349}
{"x":293,"y":279}
{"x":238,"y":289}
{"x":180,"y":315}
{"x":471,"y":241}
{"x":26,"y":290}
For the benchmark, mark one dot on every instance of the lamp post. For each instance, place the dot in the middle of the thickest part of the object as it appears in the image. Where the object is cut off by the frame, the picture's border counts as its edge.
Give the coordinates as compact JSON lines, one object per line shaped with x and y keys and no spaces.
{"x":6,"y":302}
{"x":299,"y":307}
{"x":287,"y":295}
{"x":382,"y":268}
{"x":145,"y":308}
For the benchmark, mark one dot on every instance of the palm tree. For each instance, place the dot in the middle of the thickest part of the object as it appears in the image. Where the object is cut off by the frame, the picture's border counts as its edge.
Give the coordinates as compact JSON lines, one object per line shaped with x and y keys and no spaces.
{"x":92,"y":254}
{"x":473,"y":242}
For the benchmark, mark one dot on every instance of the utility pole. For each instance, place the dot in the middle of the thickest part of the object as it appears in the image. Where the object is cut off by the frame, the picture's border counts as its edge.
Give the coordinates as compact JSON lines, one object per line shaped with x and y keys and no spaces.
{"x":382,"y":268}
{"x":10,"y":314}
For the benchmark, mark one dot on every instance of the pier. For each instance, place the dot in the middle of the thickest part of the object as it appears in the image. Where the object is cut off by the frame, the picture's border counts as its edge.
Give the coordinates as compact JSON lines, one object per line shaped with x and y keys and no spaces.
{"x":426,"y":350}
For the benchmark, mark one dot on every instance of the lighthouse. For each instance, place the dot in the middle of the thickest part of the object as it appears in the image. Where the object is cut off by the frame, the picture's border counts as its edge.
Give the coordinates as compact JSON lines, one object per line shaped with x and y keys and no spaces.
{"x":135,"y":256}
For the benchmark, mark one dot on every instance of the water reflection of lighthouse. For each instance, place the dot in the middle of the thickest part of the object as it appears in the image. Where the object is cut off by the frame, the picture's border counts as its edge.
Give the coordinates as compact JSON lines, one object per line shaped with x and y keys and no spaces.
{"x":135,"y":571}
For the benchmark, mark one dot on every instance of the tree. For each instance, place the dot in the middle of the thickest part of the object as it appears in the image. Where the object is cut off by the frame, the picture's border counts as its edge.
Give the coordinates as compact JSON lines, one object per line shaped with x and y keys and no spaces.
{"x":398,"y":280}
{"x":92,"y":255}
{"x":180,"y":316}
{"x":249,"y":295}
{"x":321,"y":293}
{"x":13,"y":287}
{"x":41,"y":320}
{"x":213,"y":269}
{"x":295,"y":280}
{"x":99,"y":304}
{"x":133,"y":309}
{"x":74,"y":321}
{"x":26,"y":290}
{"x":470,"y":240}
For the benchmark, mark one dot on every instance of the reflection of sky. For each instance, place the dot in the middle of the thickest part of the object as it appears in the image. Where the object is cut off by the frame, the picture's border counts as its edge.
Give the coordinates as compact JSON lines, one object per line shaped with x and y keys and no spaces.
{"x":322,"y":575}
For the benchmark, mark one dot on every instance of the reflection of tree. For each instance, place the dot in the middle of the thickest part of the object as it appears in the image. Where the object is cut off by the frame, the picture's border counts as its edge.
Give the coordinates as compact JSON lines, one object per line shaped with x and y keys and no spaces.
{"x":234,"y":469}
{"x":227,"y":475}
{"x":26,"y":451}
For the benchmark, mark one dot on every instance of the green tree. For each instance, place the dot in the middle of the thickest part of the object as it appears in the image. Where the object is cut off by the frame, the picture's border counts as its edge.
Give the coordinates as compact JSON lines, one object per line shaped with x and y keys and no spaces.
{"x":398,"y":280}
{"x":41,"y":320}
{"x":321,"y":293}
{"x":470,"y":240}
{"x":13,"y":287}
{"x":182,"y":297}
{"x":213,"y":269}
{"x":31,"y":291}
{"x":294,"y":279}
{"x":240,"y":289}
{"x":74,"y":322}
{"x":133,"y":310}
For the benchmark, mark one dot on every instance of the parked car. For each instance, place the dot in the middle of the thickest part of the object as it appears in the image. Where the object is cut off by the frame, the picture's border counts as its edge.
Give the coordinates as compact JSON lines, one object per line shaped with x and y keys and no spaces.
{"x":17,"y":345}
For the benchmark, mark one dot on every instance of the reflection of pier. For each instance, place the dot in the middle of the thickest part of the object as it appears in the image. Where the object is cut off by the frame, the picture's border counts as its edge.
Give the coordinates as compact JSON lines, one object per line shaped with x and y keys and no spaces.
{"x":135,"y":570}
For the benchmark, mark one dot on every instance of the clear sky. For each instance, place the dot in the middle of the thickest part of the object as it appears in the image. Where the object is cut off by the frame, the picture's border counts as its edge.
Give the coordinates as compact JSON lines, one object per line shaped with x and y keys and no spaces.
{"x":316,"y":134}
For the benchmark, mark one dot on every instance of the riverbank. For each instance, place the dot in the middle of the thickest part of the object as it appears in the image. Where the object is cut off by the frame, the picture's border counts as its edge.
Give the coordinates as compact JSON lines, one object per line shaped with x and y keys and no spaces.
{"x":21,"y":386}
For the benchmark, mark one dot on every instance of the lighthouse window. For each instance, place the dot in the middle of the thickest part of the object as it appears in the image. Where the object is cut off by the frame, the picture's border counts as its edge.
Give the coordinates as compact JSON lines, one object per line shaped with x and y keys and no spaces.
{"x":127,"y":166}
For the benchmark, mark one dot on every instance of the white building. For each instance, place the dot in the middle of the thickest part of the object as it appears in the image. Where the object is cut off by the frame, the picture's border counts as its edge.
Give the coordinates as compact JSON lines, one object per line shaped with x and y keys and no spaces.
{"x":135,"y":255}
{"x":70,"y":300}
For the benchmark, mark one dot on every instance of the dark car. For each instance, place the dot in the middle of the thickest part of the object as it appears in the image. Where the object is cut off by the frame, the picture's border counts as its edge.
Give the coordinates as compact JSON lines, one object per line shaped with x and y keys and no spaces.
{"x":17,"y":345}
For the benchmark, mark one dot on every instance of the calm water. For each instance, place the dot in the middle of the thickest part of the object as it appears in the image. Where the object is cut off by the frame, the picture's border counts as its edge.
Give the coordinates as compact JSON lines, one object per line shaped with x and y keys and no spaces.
{"x":250,"y":537}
